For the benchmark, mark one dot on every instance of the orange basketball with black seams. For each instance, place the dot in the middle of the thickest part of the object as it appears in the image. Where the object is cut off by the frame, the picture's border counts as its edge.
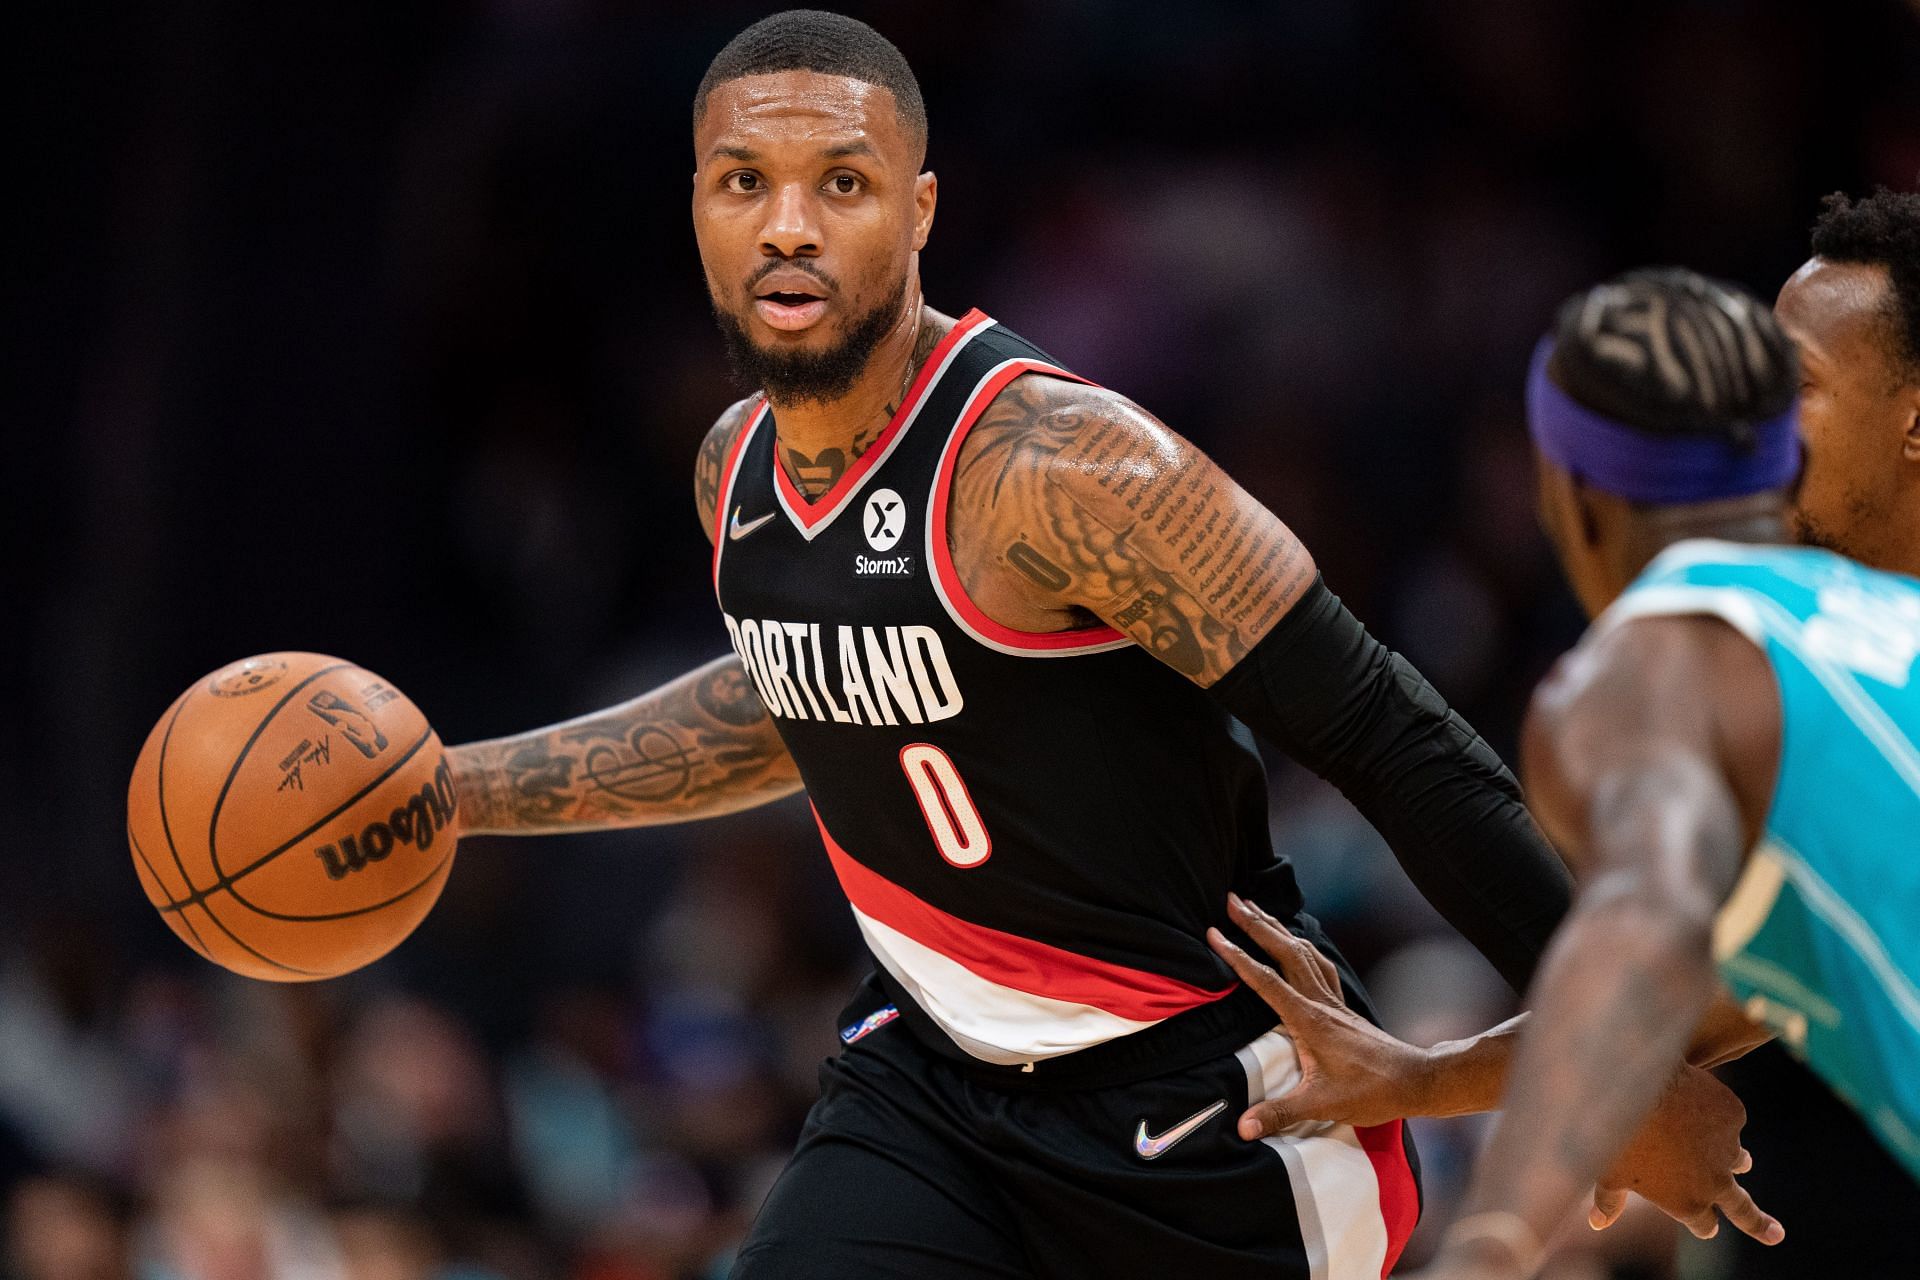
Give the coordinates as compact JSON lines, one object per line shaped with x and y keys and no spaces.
{"x":292,"y":816}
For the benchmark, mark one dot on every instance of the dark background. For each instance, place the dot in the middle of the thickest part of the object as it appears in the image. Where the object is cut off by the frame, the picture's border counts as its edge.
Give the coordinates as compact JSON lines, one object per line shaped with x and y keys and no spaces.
{"x":378,"y":330}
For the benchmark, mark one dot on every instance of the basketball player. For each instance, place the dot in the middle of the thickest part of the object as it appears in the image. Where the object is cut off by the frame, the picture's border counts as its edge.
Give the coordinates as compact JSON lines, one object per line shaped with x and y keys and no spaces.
{"x":1729,"y":758}
{"x":1853,"y":313}
{"x":1005,"y":628}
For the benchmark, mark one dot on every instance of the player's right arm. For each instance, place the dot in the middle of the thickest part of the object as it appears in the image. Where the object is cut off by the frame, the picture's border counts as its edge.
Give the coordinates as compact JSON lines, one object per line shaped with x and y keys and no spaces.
{"x":1648,"y":755}
{"x":699,"y":746}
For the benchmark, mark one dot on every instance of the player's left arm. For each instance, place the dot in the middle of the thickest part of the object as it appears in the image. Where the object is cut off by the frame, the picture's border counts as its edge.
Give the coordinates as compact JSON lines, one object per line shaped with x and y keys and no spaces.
{"x":1091,"y":506}
{"x":1627,"y":751}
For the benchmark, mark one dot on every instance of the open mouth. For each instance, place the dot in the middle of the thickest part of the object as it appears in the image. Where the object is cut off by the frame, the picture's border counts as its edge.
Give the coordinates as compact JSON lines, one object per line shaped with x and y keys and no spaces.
{"x":789,"y":309}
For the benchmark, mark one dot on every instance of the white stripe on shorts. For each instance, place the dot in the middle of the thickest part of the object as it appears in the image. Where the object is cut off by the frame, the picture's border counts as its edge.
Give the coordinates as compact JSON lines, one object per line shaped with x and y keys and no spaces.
{"x":1335,"y":1191}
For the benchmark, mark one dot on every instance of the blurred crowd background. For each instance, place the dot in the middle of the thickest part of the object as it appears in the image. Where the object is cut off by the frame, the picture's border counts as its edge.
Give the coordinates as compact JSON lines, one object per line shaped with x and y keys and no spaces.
{"x":378,"y":330}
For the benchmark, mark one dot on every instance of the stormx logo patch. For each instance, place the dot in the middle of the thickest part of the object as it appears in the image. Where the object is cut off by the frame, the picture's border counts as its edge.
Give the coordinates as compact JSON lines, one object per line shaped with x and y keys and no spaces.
{"x":883,"y":566}
{"x":884,"y":522}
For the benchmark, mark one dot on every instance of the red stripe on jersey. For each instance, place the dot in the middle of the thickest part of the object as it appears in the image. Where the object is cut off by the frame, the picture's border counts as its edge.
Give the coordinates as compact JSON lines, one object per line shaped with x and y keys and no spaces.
{"x":942,"y":553}
{"x":1385,"y":1145}
{"x":728,"y":470}
{"x":1010,"y":960}
{"x":812,"y":513}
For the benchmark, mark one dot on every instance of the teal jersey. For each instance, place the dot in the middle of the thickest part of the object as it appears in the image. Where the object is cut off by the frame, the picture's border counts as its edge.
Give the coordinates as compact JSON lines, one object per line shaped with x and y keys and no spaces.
{"x":1821,"y":936}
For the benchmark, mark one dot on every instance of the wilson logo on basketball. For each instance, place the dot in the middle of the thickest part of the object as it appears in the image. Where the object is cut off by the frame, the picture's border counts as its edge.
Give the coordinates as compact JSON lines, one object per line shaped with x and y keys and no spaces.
{"x":414,"y":823}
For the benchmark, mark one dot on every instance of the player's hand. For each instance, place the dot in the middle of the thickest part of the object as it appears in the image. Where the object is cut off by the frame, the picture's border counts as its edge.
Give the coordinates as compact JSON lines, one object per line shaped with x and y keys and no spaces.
{"x":1684,"y":1159}
{"x":1351,"y":1071}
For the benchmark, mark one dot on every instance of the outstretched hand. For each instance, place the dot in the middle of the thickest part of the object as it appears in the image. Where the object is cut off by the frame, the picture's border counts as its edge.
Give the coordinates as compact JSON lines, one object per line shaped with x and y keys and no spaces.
{"x":1683,"y":1161}
{"x":1351,"y":1071}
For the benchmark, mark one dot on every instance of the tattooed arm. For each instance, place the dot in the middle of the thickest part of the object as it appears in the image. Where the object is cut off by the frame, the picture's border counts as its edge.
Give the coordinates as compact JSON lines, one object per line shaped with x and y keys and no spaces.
{"x":1081,"y":506}
{"x":1649,"y":753}
{"x":1073,"y":504}
{"x":697,"y":747}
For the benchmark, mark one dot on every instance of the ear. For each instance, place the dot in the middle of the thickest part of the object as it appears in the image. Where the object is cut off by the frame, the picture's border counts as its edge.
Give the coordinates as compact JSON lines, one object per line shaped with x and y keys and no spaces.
{"x":926,"y":193}
{"x":1910,"y":433}
{"x":1586,"y":510}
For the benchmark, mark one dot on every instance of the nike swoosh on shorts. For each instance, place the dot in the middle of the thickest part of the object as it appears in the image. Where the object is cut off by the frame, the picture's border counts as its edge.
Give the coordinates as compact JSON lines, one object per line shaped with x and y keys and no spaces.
{"x":1152,"y":1147}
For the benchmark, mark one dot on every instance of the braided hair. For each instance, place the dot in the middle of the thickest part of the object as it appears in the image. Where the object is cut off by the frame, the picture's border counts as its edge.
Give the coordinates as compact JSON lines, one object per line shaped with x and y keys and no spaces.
{"x":1669,"y":351}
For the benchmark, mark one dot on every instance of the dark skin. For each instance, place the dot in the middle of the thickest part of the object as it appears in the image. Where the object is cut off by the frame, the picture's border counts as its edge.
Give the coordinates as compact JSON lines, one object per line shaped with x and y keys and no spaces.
{"x":1608,"y":703}
{"x":1650,"y":755}
{"x":1071,"y":504}
{"x":1859,"y":494}
{"x":1859,"y":415}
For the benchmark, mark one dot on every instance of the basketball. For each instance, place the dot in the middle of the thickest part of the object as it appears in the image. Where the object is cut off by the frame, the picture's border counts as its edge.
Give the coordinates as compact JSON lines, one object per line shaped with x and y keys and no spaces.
{"x":291,"y":817}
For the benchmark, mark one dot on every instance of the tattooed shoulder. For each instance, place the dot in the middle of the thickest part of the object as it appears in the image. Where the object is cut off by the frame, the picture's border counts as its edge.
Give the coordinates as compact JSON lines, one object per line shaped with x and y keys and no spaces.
{"x":712,"y":459}
{"x":1074,"y":499}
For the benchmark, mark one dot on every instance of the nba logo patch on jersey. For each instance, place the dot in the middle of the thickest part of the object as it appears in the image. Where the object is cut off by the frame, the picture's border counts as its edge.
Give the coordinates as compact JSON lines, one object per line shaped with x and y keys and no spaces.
{"x":869,"y":1024}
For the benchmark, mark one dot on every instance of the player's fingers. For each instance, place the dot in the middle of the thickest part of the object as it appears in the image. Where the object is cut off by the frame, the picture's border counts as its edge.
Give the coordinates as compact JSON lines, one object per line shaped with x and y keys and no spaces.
{"x":1743,"y":1162}
{"x":1608,"y":1204}
{"x":1705,"y":1225}
{"x":1265,"y":982}
{"x":1328,"y":974}
{"x":1276,"y":1115}
{"x":1295,"y":957}
{"x":1743,"y":1213}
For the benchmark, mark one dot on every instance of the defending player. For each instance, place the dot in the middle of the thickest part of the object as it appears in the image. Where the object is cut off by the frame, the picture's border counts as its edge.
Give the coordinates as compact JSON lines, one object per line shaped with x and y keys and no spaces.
{"x":1729,"y":758}
{"x":1002,"y":623}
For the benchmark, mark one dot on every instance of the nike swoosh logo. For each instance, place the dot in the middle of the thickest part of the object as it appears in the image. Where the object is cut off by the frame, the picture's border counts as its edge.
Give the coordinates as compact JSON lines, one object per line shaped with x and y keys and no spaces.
{"x":737,"y":531}
{"x":1152,"y":1147}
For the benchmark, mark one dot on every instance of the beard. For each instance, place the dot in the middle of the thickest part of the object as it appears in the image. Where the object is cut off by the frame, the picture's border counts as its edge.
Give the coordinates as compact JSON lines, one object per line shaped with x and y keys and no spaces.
{"x":1858,"y":514}
{"x":799,"y":377}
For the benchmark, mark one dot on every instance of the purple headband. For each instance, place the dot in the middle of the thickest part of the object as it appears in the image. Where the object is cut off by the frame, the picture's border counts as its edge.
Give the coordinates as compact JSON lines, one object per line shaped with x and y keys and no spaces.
{"x":1643,"y":467}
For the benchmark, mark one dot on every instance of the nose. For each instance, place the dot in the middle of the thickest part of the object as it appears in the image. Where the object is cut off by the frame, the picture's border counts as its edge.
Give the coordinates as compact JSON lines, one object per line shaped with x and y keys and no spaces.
{"x":792,"y":230}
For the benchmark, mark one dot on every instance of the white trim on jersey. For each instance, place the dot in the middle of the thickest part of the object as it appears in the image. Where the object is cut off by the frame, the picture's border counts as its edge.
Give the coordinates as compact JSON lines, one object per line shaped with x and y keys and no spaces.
{"x":993,"y":1023}
{"x":1336,"y":1192}
{"x":1732,"y":605}
{"x":1760,"y":619}
{"x":722,"y":523}
{"x":822,"y":521}
{"x":1853,"y":930}
{"x":1751,"y":902}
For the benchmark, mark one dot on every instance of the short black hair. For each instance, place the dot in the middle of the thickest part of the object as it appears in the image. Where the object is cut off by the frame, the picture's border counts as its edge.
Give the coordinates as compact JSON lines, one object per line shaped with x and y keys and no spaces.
{"x":1881,"y":230}
{"x":829,"y":43}
{"x":1669,"y":351}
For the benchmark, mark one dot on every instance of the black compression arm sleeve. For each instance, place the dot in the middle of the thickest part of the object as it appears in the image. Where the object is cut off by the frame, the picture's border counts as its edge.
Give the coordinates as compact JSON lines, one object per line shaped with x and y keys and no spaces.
{"x":1342,"y":704}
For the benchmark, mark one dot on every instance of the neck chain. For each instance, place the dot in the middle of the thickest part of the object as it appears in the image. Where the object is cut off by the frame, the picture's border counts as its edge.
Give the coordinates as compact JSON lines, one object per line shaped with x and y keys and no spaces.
{"x":913,"y":349}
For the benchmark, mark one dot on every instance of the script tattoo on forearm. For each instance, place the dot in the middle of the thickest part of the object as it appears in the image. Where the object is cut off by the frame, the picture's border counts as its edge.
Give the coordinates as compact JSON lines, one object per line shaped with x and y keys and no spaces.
{"x":698,"y":747}
{"x":1092,"y":501}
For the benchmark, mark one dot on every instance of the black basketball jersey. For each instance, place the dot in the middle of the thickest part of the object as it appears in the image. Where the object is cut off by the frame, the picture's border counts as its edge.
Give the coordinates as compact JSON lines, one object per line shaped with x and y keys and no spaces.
{"x":1034,"y":829}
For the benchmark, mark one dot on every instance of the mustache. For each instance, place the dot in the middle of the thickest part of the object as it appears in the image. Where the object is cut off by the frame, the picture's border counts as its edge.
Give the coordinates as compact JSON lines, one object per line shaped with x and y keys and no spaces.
{"x":791,"y":264}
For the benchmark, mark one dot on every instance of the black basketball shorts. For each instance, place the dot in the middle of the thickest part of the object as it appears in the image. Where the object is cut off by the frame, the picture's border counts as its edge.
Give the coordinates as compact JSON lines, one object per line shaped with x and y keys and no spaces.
{"x":912,"y":1167}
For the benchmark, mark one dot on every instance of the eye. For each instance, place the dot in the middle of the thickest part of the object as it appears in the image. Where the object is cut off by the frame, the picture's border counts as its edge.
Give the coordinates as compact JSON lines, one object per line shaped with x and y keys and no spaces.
{"x":741,"y":182}
{"x":844,"y":184}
